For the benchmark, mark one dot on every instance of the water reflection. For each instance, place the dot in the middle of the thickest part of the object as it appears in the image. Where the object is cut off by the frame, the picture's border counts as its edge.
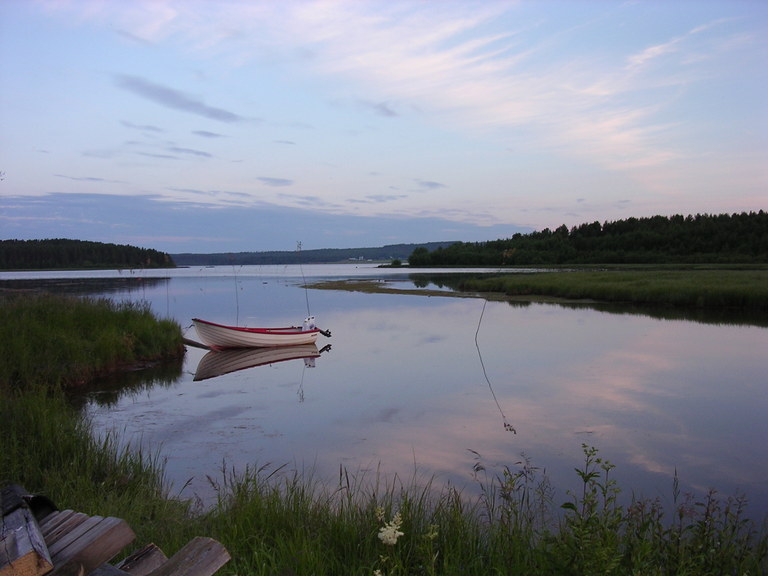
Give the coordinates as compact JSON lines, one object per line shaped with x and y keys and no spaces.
{"x":721,"y":316}
{"x":507,"y":426}
{"x":217,"y":363}
{"x":109,"y":390}
{"x":128,"y":284}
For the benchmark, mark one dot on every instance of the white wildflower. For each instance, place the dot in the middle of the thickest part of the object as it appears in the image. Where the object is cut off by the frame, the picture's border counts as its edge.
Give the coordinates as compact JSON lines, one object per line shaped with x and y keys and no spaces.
{"x":390,"y":532}
{"x":432,"y":534}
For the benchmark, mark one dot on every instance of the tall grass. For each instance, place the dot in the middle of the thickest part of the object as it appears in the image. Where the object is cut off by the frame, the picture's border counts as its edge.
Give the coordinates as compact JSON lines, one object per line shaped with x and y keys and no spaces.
{"x":47,"y":448}
{"x":743,"y":289}
{"x":275,"y":523}
{"x":61,"y":340}
{"x":52,"y":342}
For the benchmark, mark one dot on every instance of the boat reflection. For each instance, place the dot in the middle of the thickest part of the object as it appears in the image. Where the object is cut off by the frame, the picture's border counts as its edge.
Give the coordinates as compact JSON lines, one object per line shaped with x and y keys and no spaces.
{"x":217,"y":363}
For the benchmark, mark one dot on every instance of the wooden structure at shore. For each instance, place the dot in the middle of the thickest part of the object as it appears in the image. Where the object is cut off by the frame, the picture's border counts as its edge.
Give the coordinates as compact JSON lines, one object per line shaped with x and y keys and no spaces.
{"x":36,"y":539}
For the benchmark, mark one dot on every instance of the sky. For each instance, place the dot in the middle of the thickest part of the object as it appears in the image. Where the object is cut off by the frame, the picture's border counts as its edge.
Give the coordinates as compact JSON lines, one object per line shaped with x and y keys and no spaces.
{"x":232,"y":125}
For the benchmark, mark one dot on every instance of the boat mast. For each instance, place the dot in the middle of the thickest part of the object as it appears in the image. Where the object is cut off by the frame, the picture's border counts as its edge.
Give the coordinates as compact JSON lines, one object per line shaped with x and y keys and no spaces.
{"x":306,"y":290}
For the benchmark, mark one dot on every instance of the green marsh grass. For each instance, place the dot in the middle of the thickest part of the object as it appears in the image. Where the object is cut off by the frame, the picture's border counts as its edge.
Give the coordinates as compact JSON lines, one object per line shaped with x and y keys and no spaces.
{"x":50,"y":343}
{"x":62,"y":340}
{"x":49,"y":448}
{"x":275,"y":521}
{"x":720,"y":288}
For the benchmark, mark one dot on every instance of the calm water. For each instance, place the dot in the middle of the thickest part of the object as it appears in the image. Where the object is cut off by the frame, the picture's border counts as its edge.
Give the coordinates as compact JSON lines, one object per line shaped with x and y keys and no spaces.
{"x":408,"y":389}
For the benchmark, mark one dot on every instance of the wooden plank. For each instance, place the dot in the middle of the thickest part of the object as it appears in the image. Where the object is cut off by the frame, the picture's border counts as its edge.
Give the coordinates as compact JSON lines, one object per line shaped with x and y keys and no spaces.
{"x":143,"y":561}
{"x":53,"y":520}
{"x":22,"y":548}
{"x":93,"y":547}
{"x":50,"y":522}
{"x":108,"y":570}
{"x":73,"y":534}
{"x":61,"y":529}
{"x":50,"y":519}
{"x":200,"y":557}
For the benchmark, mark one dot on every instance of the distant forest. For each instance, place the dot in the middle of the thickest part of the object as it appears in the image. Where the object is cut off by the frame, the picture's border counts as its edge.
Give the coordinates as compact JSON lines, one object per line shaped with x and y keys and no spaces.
{"x":320,"y":256}
{"x":736,"y":238}
{"x":703,"y":238}
{"x":63,"y":253}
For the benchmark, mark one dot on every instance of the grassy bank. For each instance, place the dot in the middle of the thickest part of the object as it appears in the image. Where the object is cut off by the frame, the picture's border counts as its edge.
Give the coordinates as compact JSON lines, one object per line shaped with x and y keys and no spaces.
{"x":51,"y":343}
{"x":722,"y":288}
{"x":67,"y":341}
{"x":278,"y":523}
{"x":691,"y":288}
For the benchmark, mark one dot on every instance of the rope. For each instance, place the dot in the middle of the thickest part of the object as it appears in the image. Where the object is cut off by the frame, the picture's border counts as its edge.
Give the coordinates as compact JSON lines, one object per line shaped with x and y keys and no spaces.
{"x":507,"y":426}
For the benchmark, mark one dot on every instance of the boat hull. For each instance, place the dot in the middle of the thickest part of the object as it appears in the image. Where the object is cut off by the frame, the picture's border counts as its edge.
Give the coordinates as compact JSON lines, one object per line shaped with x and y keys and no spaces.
{"x":219,"y":336}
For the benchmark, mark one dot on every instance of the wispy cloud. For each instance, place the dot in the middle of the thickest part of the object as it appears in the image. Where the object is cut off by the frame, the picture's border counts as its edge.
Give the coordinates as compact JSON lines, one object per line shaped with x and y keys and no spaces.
{"x":189,"y":151}
{"x":307,"y":200}
{"x":95,"y":179}
{"x":158,"y":156}
{"x":429,"y":184}
{"x":384,"y":109}
{"x":381,"y":198}
{"x":174,"y":99}
{"x":505,"y":107}
{"x":276,"y":182}
{"x":455,"y":64}
{"x":142,"y":127}
{"x":207,"y":134}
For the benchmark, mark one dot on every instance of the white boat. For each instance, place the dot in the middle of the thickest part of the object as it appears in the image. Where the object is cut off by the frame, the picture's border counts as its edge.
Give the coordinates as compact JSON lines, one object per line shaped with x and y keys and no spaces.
{"x":219,"y":336}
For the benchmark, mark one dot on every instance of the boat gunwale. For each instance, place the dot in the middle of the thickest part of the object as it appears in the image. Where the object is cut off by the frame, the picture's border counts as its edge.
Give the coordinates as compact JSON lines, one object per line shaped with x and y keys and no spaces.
{"x":288,"y":330}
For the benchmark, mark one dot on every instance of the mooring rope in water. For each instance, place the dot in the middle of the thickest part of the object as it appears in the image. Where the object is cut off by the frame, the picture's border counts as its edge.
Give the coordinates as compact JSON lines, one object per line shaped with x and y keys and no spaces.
{"x":507,"y":425}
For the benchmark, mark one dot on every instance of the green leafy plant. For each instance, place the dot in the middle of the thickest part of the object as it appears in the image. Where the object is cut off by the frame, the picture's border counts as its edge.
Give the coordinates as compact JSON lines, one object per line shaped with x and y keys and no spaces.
{"x":589,"y":541}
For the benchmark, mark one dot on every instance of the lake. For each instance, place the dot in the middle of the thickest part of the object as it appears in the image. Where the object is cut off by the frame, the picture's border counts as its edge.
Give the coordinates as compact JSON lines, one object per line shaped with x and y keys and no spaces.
{"x":451,"y":389}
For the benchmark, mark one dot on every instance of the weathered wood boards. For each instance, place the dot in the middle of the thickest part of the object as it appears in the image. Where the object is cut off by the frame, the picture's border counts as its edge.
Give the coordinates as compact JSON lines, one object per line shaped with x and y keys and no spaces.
{"x":79,"y":543}
{"x":143,"y":561}
{"x":22,"y":548}
{"x":200,"y":557}
{"x":69,"y":543}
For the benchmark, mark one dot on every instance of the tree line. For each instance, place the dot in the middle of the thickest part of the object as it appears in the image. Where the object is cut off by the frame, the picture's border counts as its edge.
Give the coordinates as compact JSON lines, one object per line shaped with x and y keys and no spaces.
{"x":703,"y":238}
{"x":61,"y":253}
{"x":315,"y":256}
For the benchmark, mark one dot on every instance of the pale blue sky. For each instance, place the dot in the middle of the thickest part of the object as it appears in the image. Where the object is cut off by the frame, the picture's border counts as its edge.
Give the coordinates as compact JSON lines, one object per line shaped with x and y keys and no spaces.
{"x":211,"y":126}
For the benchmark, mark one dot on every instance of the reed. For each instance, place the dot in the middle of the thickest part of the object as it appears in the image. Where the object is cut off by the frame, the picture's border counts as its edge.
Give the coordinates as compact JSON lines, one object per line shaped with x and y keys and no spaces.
{"x":48,"y":448}
{"x":279,"y":522}
{"x":722,"y":288}
{"x":55,"y":342}
{"x":60,"y":340}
